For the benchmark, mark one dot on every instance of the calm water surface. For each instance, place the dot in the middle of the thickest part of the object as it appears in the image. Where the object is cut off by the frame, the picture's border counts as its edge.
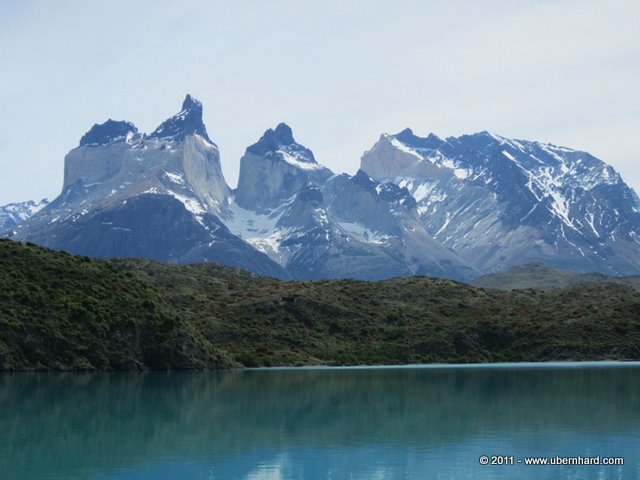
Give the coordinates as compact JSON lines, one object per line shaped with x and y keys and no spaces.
{"x":364,"y":423}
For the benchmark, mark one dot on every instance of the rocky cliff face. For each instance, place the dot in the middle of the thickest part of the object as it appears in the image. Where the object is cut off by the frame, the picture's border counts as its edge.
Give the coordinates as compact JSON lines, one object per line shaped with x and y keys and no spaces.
{"x":386,"y":215}
{"x":319,"y":225}
{"x":114,"y":162}
{"x":500,"y":202}
{"x":275,"y":168}
{"x":280,"y":209}
{"x":319,"y":246}
{"x":156,"y":196}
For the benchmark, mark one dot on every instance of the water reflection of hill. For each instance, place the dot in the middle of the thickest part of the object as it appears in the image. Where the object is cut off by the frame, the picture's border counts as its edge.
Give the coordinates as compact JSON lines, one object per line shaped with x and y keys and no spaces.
{"x":88,"y":423}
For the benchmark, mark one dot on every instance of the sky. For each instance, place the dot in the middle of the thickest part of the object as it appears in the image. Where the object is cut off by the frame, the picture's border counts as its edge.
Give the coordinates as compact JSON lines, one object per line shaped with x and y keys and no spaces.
{"x":339,"y":72}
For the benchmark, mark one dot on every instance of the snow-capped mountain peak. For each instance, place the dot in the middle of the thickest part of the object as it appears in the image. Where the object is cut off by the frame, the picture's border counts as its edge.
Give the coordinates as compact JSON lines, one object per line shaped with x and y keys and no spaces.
{"x":560,"y":202}
{"x":279,"y":142}
{"x":14,"y":214}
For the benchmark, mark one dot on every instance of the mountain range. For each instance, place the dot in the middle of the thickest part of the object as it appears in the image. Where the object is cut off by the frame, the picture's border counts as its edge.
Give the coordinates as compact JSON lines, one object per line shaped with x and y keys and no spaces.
{"x":458,"y":207}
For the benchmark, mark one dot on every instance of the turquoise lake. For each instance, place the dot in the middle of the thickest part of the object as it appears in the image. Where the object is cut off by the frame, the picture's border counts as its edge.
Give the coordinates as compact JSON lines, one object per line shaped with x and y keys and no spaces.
{"x":343,"y":423}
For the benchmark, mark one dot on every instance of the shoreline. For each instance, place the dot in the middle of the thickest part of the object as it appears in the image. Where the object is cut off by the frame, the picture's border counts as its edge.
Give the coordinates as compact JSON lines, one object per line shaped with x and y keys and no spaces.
{"x":438,"y":366}
{"x":552,"y":364}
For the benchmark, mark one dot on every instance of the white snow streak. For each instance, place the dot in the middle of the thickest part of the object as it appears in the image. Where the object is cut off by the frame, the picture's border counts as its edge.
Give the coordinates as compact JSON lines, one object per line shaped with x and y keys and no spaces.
{"x":296,"y":162}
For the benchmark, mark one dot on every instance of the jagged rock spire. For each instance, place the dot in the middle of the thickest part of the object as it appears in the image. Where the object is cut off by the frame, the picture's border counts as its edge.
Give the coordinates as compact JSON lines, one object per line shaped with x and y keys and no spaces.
{"x":275,"y":168}
{"x":188,"y":121}
{"x":281,"y":139}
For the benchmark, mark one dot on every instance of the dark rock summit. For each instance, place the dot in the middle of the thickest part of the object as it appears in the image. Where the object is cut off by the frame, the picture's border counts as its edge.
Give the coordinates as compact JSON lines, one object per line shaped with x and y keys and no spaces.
{"x":274,"y":168}
{"x":188,"y":121}
{"x":281,"y":139}
{"x":108,"y":132}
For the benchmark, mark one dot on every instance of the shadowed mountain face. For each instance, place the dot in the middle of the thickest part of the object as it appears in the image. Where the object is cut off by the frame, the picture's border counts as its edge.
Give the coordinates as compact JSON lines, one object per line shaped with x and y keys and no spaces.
{"x":500,"y":202}
{"x":157,"y":227}
{"x":455,"y":208}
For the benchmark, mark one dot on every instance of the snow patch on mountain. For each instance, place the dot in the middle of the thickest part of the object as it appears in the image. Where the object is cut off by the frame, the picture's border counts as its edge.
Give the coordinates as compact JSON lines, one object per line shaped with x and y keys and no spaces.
{"x":404,"y":148}
{"x":297,"y":160}
{"x":177,"y":178}
{"x":359,"y":232}
{"x":191,"y":204}
{"x":260,"y":230}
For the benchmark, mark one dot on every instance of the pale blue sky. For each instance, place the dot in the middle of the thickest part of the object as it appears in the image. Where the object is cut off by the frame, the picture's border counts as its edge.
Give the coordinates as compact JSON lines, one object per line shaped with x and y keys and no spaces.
{"x":339,"y":72}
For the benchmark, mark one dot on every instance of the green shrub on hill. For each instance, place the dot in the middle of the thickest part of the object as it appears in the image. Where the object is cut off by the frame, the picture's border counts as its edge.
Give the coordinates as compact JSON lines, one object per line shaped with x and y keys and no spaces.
{"x":63,"y":312}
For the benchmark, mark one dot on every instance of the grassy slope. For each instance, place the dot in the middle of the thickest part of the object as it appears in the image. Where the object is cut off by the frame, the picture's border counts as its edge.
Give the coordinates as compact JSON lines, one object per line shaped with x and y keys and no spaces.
{"x":538,"y":275}
{"x":58,"y":311}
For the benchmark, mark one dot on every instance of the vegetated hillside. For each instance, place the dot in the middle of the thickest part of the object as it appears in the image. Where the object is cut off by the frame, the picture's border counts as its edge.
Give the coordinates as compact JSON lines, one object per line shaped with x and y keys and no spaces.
{"x":545,"y":277}
{"x":60,"y":312}
{"x":57,"y":311}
